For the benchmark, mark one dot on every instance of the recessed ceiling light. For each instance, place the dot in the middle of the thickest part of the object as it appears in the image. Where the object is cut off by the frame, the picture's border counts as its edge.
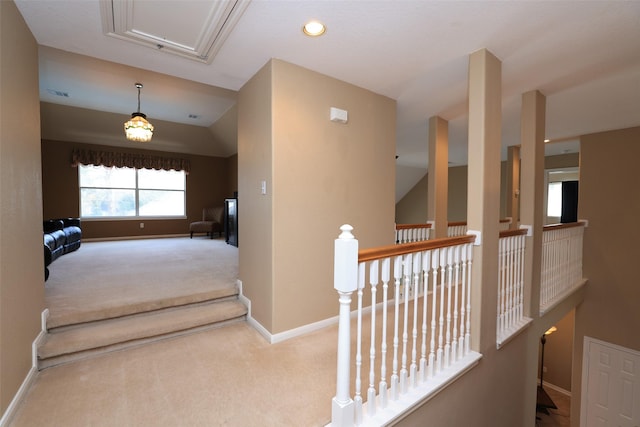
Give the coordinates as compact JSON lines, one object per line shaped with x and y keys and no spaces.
{"x":314,"y":28}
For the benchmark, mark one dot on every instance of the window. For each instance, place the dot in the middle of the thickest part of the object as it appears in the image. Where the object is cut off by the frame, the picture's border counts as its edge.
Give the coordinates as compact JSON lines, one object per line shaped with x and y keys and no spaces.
{"x":553,"y":191}
{"x":129,"y":193}
{"x":554,"y":199}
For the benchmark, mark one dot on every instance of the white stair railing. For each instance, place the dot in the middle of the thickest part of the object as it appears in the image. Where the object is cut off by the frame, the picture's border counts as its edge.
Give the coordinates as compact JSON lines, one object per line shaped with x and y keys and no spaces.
{"x":457,"y":229}
{"x":428,"y":344}
{"x":407,"y":233}
{"x":561,"y":262}
{"x":511,"y":255}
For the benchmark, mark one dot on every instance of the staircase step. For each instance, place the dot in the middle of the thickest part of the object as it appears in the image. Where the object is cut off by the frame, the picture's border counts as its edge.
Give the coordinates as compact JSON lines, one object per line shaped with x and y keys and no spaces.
{"x":115,"y":334}
{"x":87,"y":315}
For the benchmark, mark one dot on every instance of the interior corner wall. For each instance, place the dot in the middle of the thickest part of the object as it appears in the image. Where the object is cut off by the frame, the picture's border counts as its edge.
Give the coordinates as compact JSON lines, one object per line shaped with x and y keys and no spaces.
{"x":255,"y":235}
{"x":325,"y":174}
{"x":412,"y":208}
{"x":319,"y":175}
{"x":608,"y":199}
{"x":21,"y":259}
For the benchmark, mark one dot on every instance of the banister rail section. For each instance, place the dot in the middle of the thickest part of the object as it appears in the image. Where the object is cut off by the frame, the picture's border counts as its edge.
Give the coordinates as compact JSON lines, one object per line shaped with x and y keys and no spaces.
{"x":511,"y":317}
{"x":422,"y":342}
{"x":407,"y":233}
{"x":561,"y":262}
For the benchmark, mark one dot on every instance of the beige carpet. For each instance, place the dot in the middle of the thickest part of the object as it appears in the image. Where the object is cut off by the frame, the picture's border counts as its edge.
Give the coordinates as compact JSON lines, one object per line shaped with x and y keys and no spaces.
{"x":222,"y":377}
{"x":114,"y":278}
{"x":228,"y":376}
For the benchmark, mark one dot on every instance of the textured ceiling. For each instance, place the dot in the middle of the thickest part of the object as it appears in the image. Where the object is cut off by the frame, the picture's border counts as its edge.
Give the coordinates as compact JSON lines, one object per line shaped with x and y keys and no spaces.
{"x":583,"y":56}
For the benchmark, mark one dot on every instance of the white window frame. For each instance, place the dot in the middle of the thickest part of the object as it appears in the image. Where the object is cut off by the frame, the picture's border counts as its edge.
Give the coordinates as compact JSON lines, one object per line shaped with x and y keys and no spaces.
{"x":137,"y":216}
{"x":557,"y":175}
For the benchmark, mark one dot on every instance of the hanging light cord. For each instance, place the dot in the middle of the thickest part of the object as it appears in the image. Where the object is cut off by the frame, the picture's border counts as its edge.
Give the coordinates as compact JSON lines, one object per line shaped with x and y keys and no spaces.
{"x":139,"y":86}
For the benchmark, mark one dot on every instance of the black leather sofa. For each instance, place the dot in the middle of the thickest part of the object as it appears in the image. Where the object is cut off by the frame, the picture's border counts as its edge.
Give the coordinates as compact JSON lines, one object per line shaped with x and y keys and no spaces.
{"x":61,"y":236}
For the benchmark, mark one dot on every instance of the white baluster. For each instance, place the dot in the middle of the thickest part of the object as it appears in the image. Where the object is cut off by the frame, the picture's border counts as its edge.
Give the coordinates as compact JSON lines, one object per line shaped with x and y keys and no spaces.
{"x":383,"y":393}
{"x":510,"y":265}
{"x":434,"y":297}
{"x":447,"y":345}
{"x":426,"y":266}
{"x":414,"y":347}
{"x":371,"y":393}
{"x":406,"y":280}
{"x":521,"y":255}
{"x":345,"y":282}
{"x":456,"y":264}
{"x":501,"y":285}
{"x":397,"y":274}
{"x":443,"y":275}
{"x":467,"y":341}
{"x":463,"y":308}
{"x":358,"y":397}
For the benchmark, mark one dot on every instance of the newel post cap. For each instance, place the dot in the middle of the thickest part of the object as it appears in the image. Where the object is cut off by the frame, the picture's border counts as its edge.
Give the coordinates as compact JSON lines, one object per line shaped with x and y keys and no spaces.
{"x":345,"y":266}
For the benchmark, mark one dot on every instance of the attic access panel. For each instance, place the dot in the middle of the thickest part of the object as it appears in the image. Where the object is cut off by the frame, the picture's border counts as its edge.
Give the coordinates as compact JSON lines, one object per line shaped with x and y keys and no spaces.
{"x":198,"y":33}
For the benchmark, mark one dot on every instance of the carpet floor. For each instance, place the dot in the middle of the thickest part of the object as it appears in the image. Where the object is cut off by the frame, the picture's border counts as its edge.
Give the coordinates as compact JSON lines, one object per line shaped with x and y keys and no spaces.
{"x":113,"y":278}
{"x":229,"y":376}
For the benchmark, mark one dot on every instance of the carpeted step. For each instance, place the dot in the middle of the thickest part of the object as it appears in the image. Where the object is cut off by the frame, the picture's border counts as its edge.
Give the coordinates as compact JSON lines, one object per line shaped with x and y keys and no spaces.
{"x":114,"y":334}
{"x":139,"y":305}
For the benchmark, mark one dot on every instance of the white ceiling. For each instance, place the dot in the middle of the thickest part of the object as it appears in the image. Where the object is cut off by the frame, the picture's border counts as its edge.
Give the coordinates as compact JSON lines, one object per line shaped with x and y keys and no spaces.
{"x":583,"y":55}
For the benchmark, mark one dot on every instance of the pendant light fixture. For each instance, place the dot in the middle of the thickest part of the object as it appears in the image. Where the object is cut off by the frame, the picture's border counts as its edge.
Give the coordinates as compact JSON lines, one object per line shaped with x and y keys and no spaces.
{"x":138,"y":128}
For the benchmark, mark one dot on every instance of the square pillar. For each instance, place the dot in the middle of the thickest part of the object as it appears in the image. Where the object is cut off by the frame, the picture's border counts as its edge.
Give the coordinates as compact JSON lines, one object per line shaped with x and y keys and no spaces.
{"x":513,"y":185}
{"x":483,"y":212}
{"x":438,"y":176}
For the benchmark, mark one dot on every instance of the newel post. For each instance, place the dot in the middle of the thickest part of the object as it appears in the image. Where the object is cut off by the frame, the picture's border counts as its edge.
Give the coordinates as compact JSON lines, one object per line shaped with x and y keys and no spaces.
{"x":345,"y":279}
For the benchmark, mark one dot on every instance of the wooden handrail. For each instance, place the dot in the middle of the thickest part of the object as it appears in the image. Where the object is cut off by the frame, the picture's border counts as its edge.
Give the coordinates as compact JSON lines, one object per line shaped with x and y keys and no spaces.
{"x":515,"y":232}
{"x":406,"y":226}
{"x":405,"y":248}
{"x":457,"y":223}
{"x":450,"y":224}
{"x":560,"y":226}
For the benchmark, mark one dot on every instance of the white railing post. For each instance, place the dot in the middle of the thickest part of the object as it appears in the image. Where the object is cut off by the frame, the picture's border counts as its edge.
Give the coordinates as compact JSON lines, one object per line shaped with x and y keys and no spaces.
{"x":345,"y":277}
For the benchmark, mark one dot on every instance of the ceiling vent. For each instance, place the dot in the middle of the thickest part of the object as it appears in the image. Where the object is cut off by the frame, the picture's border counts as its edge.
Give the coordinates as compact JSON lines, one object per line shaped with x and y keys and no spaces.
{"x":193,"y":29}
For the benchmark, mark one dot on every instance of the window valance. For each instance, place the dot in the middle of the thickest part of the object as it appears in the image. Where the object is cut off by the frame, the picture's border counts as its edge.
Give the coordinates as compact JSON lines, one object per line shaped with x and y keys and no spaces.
{"x":129,"y":160}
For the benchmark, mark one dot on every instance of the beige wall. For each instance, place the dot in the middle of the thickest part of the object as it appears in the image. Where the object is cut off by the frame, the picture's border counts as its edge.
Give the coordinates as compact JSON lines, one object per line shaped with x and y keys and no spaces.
{"x":558,"y":354}
{"x":609,"y":200}
{"x":255,"y":234}
{"x":232,"y":169}
{"x":208,"y":184}
{"x":320,"y":175}
{"x":413,"y":206}
{"x":21,"y":260}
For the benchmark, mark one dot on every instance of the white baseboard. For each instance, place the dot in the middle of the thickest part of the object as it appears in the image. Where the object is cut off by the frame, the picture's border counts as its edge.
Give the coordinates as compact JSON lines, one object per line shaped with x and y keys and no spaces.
{"x":31,"y":375}
{"x":295,"y":332}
